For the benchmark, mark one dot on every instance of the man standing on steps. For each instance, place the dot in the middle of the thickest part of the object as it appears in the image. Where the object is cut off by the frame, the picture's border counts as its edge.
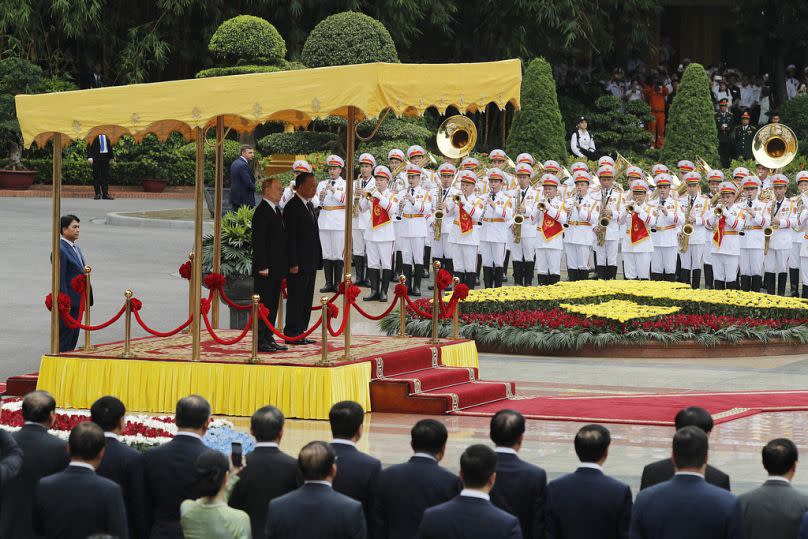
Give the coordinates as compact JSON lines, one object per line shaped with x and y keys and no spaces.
{"x":99,"y":155}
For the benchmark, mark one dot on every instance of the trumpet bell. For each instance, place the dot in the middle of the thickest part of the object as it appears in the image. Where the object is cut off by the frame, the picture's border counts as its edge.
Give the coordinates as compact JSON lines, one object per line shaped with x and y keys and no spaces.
{"x":774,"y":146}
{"x":456,"y":136}
{"x":368,"y":195}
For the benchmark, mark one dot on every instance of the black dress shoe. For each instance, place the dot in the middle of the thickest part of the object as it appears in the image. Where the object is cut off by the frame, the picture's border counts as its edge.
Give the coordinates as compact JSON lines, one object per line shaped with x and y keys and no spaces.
{"x":279,"y":347}
{"x":266,"y":348}
{"x":307,"y":341}
{"x":98,"y":197}
{"x":300,"y":342}
{"x":108,"y":197}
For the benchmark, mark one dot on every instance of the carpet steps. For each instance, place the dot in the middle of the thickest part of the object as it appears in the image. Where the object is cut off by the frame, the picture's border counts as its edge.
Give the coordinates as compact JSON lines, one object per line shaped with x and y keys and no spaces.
{"x":20,"y":385}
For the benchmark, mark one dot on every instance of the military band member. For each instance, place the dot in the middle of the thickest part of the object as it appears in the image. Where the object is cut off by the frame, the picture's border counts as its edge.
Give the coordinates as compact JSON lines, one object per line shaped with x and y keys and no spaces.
{"x":526,"y":158}
{"x":497,"y":216}
{"x":739,"y":173}
{"x":609,"y":200}
{"x":415,"y":204}
{"x":669,"y":218}
{"x":359,"y":224}
{"x":755,"y":219}
{"x":582,"y":214}
{"x":576,"y":168}
{"x":499,"y":159}
{"x":440,"y":196}
{"x":465,"y":209}
{"x":714,"y":180}
{"x":637,"y":218}
{"x":417,"y":156}
{"x":551,"y":217}
{"x":658,"y":169}
{"x":298,"y":167}
{"x":726,"y":221}
{"x":764,"y":174}
{"x":379,"y":236}
{"x":395,"y":162}
{"x":797,"y":232}
{"x":552,"y":167}
{"x":606,"y":161}
{"x":801,"y":210}
{"x":524,"y":202}
{"x":775,"y":263}
{"x":695,"y":206}
{"x":683,"y":167}
{"x":331,"y":196}
{"x":473,"y":165}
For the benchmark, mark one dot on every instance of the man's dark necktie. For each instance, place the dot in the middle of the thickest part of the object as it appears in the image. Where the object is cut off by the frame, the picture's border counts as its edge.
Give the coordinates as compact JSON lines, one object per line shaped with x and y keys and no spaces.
{"x":310,"y":206}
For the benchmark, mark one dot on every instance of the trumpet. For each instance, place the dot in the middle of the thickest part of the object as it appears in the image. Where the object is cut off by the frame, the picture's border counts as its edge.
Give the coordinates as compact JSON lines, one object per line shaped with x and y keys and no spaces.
{"x":457,"y":198}
{"x":542,"y":205}
{"x":368,"y":195}
{"x":719,"y":210}
{"x":631,"y":208}
{"x":516,"y":227}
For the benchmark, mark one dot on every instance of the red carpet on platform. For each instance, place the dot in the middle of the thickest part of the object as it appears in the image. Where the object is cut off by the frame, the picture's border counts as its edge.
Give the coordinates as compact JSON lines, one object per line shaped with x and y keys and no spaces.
{"x":647,"y":409}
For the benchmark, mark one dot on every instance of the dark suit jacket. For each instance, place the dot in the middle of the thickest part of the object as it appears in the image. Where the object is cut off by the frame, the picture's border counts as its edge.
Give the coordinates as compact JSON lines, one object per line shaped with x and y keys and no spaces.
{"x":70,"y":266}
{"x":242,"y":184}
{"x":405,"y":491}
{"x":315,"y":510}
{"x":170,"y":480}
{"x":587,"y":503}
{"x":803,"y":527}
{"x":303,"y":237}
{"x":773,"y":510}
{"x":521,"y":490}
{"x":77,"y":503}
{"x":269,"y":474}
{"x":124,"y":466}
{"x":686,"y":506}
{"x":94,"y":150}
{"x":10,"y":458}
{"x":43,"y":455}
{"x":662,"y":470}
{"x":466,"y":517}
{"x":269,"y":242}
{"x":357,"y":476}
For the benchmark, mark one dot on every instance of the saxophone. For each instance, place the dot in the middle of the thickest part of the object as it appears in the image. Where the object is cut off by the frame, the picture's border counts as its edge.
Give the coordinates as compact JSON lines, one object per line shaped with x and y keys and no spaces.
{"x":518,"y":219}
{"x":769,"y":230}
{"x":603,"y":224}
{"x":437,"y":225}
{"x":687,"y":231}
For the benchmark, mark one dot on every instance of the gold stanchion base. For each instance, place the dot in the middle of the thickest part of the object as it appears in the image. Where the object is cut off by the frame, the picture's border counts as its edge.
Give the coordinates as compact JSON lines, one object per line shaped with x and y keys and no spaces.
{"x":88,"y":348}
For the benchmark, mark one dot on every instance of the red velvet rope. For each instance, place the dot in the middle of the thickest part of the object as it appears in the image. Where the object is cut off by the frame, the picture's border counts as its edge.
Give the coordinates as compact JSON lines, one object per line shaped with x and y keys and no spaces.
{"x":333,"y":312}
{"x":415,"y":309}
{"x":330,"y":301}
{"x":226,"y":342}
{"x":231,"y":304}
{"x":263,"y":315}
{"x":160,"y":333}
{"x":372,"y":317}
{"x":64,"y":313}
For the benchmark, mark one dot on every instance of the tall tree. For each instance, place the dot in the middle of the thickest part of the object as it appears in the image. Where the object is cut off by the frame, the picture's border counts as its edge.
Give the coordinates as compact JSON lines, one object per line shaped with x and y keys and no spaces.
{"x":691,"y":131}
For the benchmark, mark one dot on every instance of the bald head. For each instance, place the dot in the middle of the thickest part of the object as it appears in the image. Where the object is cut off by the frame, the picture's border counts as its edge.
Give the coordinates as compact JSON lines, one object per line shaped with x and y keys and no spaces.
{"x":38,"y":406}
{"x":317,"y":462}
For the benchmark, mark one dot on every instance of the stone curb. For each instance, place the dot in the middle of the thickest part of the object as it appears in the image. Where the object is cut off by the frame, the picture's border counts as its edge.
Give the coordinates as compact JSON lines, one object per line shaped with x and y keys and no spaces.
{"x":121,"y":219}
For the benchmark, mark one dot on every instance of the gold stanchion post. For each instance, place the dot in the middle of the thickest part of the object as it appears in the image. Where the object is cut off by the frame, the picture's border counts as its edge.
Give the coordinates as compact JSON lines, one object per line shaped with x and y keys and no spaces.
{"x":190,"y":291}
{"x":217,"y":217}
{"x":456,"y":314}
{"x":324,"y":312}
{"x":127,"y":326}
{"x":435,"y":305}
{"x":196,"y":267}
{"x":56,"y":239}
{"x":346,"y":312}
{"x":402,"y":308}
{"x":279,"y":318}
{"x":256,"y":300}
{"x":87,"y":292}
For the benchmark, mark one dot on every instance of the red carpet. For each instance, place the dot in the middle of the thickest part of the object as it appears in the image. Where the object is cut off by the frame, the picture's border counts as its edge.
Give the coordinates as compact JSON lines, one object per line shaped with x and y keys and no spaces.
{"x":647,"y":409}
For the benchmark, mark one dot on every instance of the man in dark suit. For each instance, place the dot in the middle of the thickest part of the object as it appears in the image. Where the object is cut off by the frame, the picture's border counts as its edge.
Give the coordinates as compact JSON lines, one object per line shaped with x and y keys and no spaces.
{"x":775,"y":509}
{"x":269,"y":473}
{"x":687,"y":506}
{"x":99,"y":154}
{"x":588,"y":503}
{"x":10,"y":458}
{"x":96,"y":78}
{"x":305,"y":256}
{"x":406,"y":490}
{"x":662,"y":470}
{"x":43,"y":455}
{"x":316,"y":509}
{"x":77,"y":502}
{"x":242,"y":179}
{"x":521,"y":487}
{"x":357,"y":472}
{"x":270,"y":261}
{"x":71,"y":264}
{"x":121,"y":463}
{"x":471,"y":515}
{"x":170,"y":469}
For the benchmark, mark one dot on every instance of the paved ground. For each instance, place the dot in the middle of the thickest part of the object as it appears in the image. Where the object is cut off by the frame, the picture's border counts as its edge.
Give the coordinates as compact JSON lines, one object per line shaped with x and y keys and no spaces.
{"x":147,"y":259}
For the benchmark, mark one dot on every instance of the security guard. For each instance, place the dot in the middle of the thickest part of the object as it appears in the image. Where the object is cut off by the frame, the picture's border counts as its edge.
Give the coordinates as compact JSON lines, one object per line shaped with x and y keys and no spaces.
{"x":714,"y":180}
{"x":331,"y":196}
{"x":551,"y":217}
{"x":362,"y":184}
{"x":756,"y":218}
{"x":497,"y":215}
{"x":582,"y":214}
{"x":415,"y":204}
{"x":726,"y":221}
{"x":637,"y":218}
{"x":775,"y":263}
{"x":465,"y":209}
{"x":379,"y":236}
{"x":609,"y":200}
{"x":695,"y":206}
{"x":744,"y":134}
{"x":725,"y":123}
{"x":669,"y":219}
{"x":524,"y":199}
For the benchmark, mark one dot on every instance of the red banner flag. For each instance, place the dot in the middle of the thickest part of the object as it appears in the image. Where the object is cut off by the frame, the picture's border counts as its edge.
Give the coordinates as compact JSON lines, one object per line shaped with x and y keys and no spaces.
{"x":466,"y":225}
{"x":718,"y":235}
{"x":379,"y":215}
{"x":550,"y":228}
{"x":639,"y":231}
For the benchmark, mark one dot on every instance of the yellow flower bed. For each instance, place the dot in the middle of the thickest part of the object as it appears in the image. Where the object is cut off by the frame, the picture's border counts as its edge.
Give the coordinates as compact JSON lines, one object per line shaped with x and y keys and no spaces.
{"x":618,"y":309}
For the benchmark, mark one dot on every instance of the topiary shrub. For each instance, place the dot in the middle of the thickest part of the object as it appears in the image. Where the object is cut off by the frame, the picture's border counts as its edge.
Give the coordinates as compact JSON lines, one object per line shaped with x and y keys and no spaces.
{"x":348,"y":38}
{"x":538,"y":127}
{"x":795,"y":115}
{"x":618,"y":131}
{"x":246,"y":39}
{"x":235,"y":70}
{"x":691,"y":130}
{"x":297,"y":142}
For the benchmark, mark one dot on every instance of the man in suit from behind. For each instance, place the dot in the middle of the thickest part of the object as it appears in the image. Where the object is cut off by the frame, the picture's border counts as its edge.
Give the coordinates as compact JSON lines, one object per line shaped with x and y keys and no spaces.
{"x":305,"y":256}
{"x":775,"y":509}
{"x":99,"y":155}
{"x":687,"y":506}
{"x":662,"y":470}
{"x":270,"y":260}
{"x":71,"y":264}
{"x":471,"y":515}
{"x":77,"y":502}
{"x":242,"y":179}
{"x":10,"y":458}
{"x":588,"y":503}
{"x":357,"y":473}
{"x":316,"y":509}
{"x":170,"y":468}
{"x":521,"y":487}
{"x":121,"y":463}
{"x":406,"y":490}
{"x":43,"y":455}
{"x":269,"y":473}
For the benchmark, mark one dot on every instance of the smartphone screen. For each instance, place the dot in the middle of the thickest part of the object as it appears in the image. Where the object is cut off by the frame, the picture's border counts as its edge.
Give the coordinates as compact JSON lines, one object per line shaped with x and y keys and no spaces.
{"x":235,"y":451}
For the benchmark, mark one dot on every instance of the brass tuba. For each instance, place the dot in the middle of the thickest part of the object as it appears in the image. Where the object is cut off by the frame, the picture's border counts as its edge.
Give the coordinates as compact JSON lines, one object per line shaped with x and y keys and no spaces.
{"x":456,"y":136}
{"x":774,"y":146}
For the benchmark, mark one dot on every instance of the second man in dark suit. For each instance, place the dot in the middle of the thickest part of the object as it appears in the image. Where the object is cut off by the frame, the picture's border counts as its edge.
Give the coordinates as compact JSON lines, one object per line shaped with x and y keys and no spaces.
{"x":242,"y":179}
{"x":99,"y":155}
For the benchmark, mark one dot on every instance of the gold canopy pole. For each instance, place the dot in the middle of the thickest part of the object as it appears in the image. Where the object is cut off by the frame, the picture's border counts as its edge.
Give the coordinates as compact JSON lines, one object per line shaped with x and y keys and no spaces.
{"x":56,"y":241}
{"x":196,"y":276}
{"x":347,"y":254}
{"x":217,"y":216}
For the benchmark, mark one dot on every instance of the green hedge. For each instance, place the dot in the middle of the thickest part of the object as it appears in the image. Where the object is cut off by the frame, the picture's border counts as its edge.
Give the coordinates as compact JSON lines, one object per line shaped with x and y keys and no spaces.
{"x":348,"y":38}
{"x":298,"y":142}
{"x":795,"y":115}
{"x":246,"y":39}
{"x":235,"y":70}
{"x":615,"y":130}
{"x":691,"y":131}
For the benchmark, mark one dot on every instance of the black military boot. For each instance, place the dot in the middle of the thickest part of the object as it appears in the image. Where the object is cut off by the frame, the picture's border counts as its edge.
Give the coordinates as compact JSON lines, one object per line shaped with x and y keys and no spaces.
{"x":708,"y":276}
{"x":374,"y":285}
{"x":553,"y":279}
{"x":781,"y":283}
{"x":656,"y":276}
{"x":746,"y":283}
{"x":425,"y":266}
{"x":361,"y":271}
{"x":479,"y":268}
{"x":718,"y":285}
{"x":505,"y":267}
{"x":527,"y":273}
{"x":794,"y":277}
{"x":488,"y":277}
{"x":328,"y":271}
{"x":416,"y":280}
{"x":499,"y":273}
{"x":339,"y":273}
{"x":517,"y":272}
{"x":695,"y":282}
{"x":600,"y":272}
{"x":471,"y":279}
{"x":387,"y":275}
{"x":769,"y":282}
{"x":757,"y":283}
{"x":398,"y":268}
{"x":612,"y":272}
{"x":804,"y":291}
{"x":407,"y":271}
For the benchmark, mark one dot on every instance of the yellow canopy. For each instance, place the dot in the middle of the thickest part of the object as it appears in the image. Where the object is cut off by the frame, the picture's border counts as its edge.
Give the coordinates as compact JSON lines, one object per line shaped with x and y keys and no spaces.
{"x":295,"y":97}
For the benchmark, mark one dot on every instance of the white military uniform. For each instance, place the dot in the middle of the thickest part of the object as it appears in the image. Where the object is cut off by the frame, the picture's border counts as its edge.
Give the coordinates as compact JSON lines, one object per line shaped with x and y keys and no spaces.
{"x":776,"y":260}
{"x":525,"y":250}
{"x":361,"y":223}
{"x":726,"y":254}
{"x":494,"y":232}
{"x":665,"y":235}
{"x":440,"y":248}
{"x":609,"y":203}
{"x":637,"y":256}
{"x":578,"y":237}
{"x":696,"y":207}
{"x":379,"y":239}
{"x":464,"y":244}
{"x":756,"y":217}
{"x":332,"y":218}
{"x":413,"y":228}
{"x":550,"y":246}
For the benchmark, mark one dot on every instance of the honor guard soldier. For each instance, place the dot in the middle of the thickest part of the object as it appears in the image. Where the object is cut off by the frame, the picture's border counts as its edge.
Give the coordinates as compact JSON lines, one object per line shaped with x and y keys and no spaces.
{"x":395,"y":162}
{"x":298,"y":167}
{"x":382,"y":205}
{"x":669,"y":218}
{"x":499,"y":159}
{"x":523,"y":248}
{"x":744,"y":134}
{"x":497,"y":215}
{"x":440,"y":196}
{"x":415,"y":204}
{"x":582,"y":214}
{"x":775,"y":262}
{"x":726,"y":221}
{"x":606,"y":239}
{"x":551,"y":214}
{"x":695,"y":206}
{"x":797,"y":202}
{"x":465,"y":209}
{"x":331,"y":195}
{"x":684,"y":167}
{"x":637,"y":218}
{"x":363,"y":184}
{"x":756,"y":218}
{"x":725,"y":123}
{"x":714,"y":180}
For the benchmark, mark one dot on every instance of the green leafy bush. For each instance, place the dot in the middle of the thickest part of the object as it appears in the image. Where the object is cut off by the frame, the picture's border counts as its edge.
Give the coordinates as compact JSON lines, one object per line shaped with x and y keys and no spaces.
{"x":795,"y":115}
{"x":236,"y":259}
{"x":538,"y":127}
{"x":235,"y":70}
{"x":691,"y":130}
{"x":297,"y":142}
{"x":246,"y":39}
{"x":348,"y":38}
{"x":617,"y":131}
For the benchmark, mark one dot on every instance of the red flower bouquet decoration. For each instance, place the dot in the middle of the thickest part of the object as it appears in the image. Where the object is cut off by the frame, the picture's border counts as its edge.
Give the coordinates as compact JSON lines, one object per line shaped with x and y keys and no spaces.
{"x":185,"y":270}
{"x":214,"y":281}
{"x":443,"y":280}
